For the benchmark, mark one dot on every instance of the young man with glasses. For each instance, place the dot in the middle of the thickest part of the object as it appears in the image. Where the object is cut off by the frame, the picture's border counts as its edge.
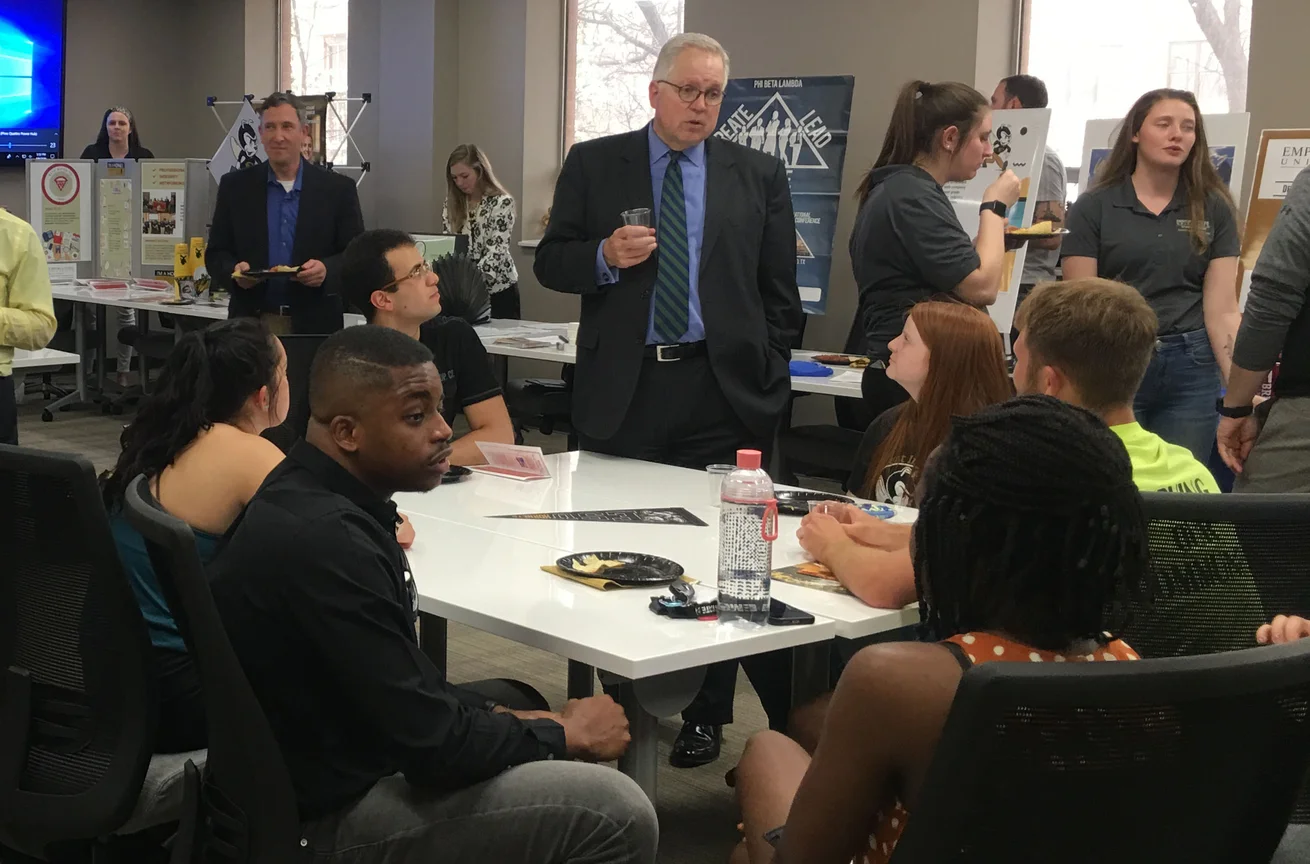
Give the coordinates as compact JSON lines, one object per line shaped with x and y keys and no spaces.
{"x":690,"y":308}
{"x":384,"y":275}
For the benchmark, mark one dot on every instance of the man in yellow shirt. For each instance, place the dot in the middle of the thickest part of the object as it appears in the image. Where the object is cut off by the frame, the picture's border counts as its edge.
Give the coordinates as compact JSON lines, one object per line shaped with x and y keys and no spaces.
{"x":1088,"y":342}
{"x":27,"y":316}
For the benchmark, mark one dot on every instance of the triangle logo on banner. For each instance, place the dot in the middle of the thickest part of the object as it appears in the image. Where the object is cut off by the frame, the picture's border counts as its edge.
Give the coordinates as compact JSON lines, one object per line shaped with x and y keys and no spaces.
{"x":802,"y":248}
{"x":60,"y":183}
{"x":761,"y":132}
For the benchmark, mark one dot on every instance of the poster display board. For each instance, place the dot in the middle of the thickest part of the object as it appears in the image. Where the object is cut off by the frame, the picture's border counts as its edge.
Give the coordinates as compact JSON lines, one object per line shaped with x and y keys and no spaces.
{"x":1225,"y":133}
{"x":116,"y":226}
{"x":59,"y":208}
{"x":240,"y":148}
{"x":802,"y":121}
{"x":1018,"y":144}
{"x":163,"y":210}
{"x":1283,"y":154}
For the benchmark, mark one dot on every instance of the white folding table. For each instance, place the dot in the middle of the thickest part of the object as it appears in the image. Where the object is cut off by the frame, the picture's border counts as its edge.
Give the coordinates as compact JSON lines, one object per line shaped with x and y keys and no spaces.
{"x":486,"y":572}
{"x":843,"y":382}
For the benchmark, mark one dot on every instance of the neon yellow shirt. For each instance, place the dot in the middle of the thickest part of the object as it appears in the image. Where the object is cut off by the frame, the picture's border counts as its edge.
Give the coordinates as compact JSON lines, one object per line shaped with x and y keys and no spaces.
{"x":27,"y":316}
{"x":1159,"y":466}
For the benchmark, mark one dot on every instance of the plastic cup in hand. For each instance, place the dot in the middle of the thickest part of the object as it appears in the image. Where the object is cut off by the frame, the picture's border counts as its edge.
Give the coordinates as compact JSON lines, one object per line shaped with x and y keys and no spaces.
{"x":717,"y":473}
{"x":639,"y":216}
{"x":835,"y":509}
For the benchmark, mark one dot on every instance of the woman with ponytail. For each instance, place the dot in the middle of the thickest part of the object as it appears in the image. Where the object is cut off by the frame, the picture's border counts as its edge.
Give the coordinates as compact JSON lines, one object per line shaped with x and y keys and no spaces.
{"x":908,"y":244}
{"x":197,"y":437}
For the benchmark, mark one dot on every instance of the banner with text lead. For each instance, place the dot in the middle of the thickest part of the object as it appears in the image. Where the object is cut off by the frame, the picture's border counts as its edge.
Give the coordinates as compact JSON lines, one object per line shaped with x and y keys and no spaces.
{"x":803,"y":122}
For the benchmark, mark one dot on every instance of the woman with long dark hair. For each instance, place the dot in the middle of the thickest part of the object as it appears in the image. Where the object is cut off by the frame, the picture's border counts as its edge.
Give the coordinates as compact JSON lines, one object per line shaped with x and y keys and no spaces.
{"x":479,"y":206}
{"x":907,"y":243}
{"x":1159,"y":218}
{"x":117,"y":138}
{"x":950,"y":361}
{"x":1029,"y":546}
{"x":197,"y":438}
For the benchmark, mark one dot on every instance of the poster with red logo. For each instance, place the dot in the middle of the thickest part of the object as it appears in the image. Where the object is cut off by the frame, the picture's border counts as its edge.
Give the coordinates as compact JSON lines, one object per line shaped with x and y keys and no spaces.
{"x":61,"y":208}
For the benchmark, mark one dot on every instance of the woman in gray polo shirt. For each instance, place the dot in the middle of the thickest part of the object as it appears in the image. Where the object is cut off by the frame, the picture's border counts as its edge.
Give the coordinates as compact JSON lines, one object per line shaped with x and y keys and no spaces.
{"x":907,"y":244}
{"x":1159,"y":218}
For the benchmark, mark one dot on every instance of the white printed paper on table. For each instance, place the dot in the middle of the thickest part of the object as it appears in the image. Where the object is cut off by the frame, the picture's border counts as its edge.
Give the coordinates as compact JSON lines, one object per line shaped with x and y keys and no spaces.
{"x":1018,"y":144}
{"x":60,"y":209}
{"x":241,"y":147}
{"x":513,"y":460}
{"x":1225,"y":133}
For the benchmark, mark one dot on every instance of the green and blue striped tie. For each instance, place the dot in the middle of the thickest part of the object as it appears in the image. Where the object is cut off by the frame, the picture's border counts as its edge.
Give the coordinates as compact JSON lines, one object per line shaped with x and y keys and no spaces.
{"x":673,"y":280}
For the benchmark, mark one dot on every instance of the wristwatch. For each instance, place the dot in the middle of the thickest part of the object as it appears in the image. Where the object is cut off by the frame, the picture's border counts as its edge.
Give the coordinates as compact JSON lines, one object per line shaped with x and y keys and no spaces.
{"x":997,"y":207}
{"x":1236,"y":413}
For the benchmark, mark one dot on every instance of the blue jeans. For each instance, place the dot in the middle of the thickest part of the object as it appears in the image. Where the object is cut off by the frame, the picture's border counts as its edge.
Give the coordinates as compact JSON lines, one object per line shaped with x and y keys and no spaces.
{"x":1177,"y":397}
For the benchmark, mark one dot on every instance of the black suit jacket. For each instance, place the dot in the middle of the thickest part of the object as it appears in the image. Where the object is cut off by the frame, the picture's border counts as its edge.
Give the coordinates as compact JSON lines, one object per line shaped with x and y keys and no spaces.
{"x":329,"y":218}
{"x":748,"y":295}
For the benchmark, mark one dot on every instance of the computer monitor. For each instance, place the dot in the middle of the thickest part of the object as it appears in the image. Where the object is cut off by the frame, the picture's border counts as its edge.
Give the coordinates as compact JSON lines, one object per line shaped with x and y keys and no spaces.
{"x":31,"y":79}
{"x":433,"y":246}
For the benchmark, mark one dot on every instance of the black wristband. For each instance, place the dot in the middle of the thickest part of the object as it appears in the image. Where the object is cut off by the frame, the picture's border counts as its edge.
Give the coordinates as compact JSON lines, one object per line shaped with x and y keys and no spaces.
{"x":997,"y":207}
{"x":1235,"y":413}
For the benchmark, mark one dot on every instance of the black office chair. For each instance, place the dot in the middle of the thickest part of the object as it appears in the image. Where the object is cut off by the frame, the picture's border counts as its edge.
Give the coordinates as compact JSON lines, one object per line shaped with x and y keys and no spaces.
{"x":815,"y":450}
{"x":243,"y":808}
{"x":77,"y":693}
{"x":1222,"y":565}
{"x":544,"y":404}
{"x":1195,"y":759}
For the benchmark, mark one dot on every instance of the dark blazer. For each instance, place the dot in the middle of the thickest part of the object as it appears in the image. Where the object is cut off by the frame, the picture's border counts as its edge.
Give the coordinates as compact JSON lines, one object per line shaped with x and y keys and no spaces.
{"x":748,"y":295}
{"x":329,"y":218}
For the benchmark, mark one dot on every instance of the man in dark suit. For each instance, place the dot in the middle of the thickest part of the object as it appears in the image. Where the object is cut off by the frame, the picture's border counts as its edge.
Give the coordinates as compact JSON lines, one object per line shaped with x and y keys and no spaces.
{"x":686,"y":327}
{"x":284,"y":212}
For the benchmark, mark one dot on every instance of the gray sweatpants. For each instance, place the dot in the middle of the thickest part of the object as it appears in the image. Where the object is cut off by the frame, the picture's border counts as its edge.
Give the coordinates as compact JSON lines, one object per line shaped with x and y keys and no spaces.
{"x":539,"y":812}
{"x":1280,"y":459}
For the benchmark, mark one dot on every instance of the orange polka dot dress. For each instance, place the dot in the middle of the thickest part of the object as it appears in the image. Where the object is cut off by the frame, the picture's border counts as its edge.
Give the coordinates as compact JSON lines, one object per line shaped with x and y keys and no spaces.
{"x":983,"y":648}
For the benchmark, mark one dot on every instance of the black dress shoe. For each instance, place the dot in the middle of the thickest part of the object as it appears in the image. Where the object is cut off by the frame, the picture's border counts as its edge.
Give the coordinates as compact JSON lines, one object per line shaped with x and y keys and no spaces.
{"x":698,"y":744}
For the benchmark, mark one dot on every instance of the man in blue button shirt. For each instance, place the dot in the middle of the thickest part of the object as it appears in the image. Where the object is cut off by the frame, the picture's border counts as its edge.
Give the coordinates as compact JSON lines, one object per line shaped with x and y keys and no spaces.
{"x":284,"y":213}
{"x":687,"y":321}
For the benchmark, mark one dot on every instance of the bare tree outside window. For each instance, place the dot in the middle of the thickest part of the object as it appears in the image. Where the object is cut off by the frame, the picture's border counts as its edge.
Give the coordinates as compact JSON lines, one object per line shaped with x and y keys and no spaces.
{"x":1097,"y":59}
{"x":315,"y":44}
{"x":613,"y":46}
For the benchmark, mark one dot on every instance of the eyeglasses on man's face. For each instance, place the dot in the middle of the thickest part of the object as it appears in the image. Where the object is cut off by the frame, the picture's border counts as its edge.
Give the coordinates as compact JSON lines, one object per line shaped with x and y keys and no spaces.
{"x":689,"y":93}
{"x":420,"y":270}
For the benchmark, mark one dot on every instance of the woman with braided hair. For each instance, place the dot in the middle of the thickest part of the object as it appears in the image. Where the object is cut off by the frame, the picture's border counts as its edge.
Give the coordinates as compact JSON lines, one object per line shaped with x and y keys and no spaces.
{"x":1029,"y":529}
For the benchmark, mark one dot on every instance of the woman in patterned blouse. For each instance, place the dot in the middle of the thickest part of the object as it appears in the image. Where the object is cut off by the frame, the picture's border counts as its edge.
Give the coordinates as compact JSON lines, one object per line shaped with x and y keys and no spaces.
{"x":1029,"y":528}
{"x":478,"y":207}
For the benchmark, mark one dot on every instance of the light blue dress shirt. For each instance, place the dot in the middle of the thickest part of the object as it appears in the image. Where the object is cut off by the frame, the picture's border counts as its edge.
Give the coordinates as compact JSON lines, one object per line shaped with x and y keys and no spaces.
{"x":693,"y":184}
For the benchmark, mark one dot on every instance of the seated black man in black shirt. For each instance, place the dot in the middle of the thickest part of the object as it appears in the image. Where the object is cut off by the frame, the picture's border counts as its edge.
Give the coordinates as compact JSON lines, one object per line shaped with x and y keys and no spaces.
{"x":383,"y":274}
{"x":389,"y":761}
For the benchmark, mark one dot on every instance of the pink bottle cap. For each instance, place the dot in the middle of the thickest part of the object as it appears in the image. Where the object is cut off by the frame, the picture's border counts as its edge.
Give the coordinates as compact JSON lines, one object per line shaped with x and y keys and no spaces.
{"x":748,"y":459}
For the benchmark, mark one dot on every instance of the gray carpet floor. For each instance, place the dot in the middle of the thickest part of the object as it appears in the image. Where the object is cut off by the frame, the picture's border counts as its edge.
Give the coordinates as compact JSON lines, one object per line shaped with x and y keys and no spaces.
{"x":698,"y":815}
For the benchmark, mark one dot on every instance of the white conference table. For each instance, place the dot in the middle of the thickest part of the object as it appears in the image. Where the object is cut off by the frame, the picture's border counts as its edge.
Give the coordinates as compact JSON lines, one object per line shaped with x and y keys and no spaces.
{"x":843,"y":382}
{"x":486,"y":573}
{"x":141,"y":300}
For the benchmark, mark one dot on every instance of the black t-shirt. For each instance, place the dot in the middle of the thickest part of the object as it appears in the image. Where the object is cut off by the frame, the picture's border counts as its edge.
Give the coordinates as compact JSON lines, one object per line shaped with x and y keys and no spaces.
{"x":466,"y":376}
{"x":896,"y":483}
{"x":907,"y":245}
{"x":97,"y":151}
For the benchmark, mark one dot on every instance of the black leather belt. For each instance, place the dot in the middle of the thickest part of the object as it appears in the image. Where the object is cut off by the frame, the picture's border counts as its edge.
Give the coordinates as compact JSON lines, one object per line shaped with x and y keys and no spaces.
{"x":681,"y":351}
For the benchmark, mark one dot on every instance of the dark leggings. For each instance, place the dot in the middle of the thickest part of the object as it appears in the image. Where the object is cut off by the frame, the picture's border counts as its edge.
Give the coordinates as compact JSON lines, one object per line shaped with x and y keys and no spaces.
{"x":505,"y":304}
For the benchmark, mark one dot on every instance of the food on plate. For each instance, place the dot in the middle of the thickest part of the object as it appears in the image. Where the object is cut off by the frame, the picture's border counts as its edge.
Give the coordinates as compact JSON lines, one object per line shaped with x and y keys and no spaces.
{"x":593,"y":566}
{"x":287,"y":268}
{"x":834,"y":359}
{"x":817,"y":570}
{"x":1047,"y":227}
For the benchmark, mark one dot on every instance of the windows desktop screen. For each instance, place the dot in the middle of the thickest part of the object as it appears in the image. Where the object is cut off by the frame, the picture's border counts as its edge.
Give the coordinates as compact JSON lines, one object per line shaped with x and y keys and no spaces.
{"x":31,"y":78}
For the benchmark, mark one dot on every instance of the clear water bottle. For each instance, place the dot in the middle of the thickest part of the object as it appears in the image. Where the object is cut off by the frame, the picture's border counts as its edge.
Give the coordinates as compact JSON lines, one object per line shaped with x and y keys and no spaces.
{"x":748,"y":525}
